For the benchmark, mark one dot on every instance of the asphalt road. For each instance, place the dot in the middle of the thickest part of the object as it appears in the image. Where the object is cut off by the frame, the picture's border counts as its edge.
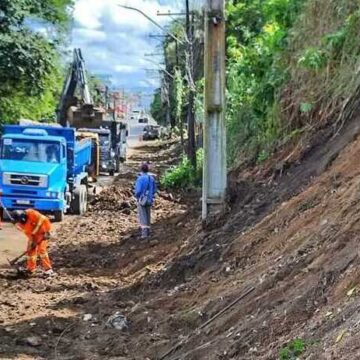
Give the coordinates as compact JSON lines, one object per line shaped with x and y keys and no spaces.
{"x":135,"y":132}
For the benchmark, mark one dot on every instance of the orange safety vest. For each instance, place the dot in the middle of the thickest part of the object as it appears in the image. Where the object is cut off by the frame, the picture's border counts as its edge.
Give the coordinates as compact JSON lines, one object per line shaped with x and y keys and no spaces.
{"x":36,"y":225}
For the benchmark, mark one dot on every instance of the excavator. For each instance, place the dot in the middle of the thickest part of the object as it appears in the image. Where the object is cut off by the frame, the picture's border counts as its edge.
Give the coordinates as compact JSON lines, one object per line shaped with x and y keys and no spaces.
{"x":76,"y":109}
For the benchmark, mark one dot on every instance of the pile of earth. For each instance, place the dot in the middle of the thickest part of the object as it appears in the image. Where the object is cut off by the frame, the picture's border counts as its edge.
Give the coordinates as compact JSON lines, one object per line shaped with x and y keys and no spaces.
{"x":113,"y":198}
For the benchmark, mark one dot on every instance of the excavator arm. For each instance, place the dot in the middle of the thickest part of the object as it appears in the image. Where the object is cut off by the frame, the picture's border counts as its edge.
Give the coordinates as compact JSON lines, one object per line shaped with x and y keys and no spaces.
{"x":76,"y":79}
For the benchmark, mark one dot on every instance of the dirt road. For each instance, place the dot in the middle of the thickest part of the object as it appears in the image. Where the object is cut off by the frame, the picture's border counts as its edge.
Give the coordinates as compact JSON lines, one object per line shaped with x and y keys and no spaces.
{"x":12,"y":243}
{"x":293,"y":237}
{"x":94,"y":255}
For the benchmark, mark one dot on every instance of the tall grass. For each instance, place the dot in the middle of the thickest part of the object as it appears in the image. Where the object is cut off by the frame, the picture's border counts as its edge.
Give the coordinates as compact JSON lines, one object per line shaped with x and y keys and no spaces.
{"x":184,"y":175}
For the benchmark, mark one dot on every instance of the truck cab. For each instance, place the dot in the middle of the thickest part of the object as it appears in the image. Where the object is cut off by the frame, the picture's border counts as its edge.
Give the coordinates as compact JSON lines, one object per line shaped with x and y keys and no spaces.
{"x":122,"y":143}
{"x":43,"y":168}
{"x":107,"y":154}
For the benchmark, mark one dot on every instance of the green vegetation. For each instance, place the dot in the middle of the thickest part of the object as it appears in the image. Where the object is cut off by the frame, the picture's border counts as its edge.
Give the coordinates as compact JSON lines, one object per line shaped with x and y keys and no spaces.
{"x":293,"y":350}
{"x":157,"y":110}
{"x":257,"y":35}
{"x":30,"y":75}
{"x":184,"y":175}
{"x":291,"y":65}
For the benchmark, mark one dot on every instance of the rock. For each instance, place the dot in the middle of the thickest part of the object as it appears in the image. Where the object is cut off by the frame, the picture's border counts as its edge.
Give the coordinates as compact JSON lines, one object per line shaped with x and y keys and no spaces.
{"x":33,"y":341}
{"x":127,"y":237}
{"x":118,"y":322}
{"x":87,"y":317}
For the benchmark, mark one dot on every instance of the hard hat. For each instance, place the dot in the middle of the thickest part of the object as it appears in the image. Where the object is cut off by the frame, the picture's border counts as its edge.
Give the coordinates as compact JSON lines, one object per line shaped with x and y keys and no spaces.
{"x":19,"y":216}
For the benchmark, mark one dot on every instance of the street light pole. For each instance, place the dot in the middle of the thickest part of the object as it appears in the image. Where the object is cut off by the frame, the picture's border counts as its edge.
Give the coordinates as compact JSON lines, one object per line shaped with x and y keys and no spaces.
{"x":214,"y":172}
{"x":153,"y":21}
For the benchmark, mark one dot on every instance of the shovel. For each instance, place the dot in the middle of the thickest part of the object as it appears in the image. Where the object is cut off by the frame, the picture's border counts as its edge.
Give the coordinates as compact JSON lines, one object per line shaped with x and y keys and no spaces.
{"x":14,"y":261}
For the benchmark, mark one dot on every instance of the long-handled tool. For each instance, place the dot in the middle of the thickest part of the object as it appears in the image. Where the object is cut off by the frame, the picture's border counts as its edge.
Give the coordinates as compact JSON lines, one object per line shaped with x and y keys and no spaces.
{"x":6,"y":211}
{"x":15,"y":260}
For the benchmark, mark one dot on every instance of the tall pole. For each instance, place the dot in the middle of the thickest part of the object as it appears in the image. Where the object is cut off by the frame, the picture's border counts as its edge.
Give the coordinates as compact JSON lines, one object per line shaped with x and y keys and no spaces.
{"x":214,"y":176}
{"x":191,"y":97}
{"x":153,"y":21}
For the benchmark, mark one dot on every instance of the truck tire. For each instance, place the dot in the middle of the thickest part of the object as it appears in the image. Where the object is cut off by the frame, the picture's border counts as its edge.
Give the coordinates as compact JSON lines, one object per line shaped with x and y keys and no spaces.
{"x":111,"y":172}
{"x":84,"y":199}
{"x":59,"y":215}
{"x":76,"y":201}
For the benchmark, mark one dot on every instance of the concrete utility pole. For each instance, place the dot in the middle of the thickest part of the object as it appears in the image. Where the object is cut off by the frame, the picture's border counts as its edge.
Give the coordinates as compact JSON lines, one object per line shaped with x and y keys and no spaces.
{"x":215,"y":177}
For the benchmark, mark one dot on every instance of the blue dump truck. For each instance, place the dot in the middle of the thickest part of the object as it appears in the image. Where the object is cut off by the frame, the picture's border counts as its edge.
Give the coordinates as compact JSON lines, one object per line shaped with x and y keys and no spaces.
{"x":44,"y":168}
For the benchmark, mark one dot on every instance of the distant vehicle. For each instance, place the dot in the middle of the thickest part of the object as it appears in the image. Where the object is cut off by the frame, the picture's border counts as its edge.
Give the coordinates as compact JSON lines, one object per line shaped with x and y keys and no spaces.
{"x":151,"y":132}
{"x":107,"y":161}
{"x":143,"y":120}
{"x":122,"y":148}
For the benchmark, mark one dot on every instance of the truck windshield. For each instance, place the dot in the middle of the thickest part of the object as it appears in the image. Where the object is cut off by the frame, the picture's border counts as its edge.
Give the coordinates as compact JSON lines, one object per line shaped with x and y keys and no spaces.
{"x":30,"y":150}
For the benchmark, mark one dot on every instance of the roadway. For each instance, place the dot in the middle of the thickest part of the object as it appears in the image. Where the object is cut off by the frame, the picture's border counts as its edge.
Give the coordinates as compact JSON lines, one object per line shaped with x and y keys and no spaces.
{"x":13,"y":242}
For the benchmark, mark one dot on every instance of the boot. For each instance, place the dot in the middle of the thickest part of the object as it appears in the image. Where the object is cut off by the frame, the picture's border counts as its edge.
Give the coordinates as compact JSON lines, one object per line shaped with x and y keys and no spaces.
{"x":145,"y":233}
{"x":49,"y":273}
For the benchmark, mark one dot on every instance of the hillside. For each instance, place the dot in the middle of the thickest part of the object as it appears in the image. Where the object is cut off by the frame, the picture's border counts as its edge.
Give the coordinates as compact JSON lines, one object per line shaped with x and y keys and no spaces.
{"x":292,"y":236}
{"x":277,"y":276}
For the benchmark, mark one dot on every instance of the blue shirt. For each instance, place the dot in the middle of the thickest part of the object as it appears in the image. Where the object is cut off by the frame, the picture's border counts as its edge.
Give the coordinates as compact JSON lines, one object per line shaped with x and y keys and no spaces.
{"x":145,"y":182}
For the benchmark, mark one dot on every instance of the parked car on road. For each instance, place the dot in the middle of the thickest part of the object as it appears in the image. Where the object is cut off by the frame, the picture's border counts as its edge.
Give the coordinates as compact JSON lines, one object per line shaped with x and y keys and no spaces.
{"x":151,"y":132}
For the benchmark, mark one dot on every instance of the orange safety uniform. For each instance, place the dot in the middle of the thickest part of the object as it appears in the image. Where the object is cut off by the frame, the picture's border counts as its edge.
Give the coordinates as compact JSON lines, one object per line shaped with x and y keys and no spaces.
{"x":35,"y":228}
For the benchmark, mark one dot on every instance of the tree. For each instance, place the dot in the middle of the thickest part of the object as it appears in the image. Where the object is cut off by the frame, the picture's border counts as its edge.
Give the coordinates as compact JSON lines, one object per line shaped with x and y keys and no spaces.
{"x":29,"y":60}
{"x":158,"y":111}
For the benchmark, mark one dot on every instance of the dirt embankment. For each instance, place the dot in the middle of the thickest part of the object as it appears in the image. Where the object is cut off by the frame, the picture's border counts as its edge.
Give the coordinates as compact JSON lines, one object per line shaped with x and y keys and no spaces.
{"x":292,"y":235}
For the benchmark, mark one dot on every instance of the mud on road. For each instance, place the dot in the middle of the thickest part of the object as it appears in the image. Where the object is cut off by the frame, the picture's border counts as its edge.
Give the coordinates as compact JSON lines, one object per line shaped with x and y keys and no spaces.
{"x":292,"y":235}
{"x":94,"y":256}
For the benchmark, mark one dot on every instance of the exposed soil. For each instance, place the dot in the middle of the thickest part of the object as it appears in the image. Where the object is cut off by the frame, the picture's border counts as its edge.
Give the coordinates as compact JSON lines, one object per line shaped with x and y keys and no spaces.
{"x":291,"y":233}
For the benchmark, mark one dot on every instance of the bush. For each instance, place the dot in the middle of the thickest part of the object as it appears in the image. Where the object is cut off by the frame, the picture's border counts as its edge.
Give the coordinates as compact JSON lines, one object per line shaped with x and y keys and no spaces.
{"x":293,"y":350}
{"x":184,"y":175}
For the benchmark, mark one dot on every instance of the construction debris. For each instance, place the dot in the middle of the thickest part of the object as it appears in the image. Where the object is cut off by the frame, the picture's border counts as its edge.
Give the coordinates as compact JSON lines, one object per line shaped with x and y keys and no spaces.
{"x":118,"y":322}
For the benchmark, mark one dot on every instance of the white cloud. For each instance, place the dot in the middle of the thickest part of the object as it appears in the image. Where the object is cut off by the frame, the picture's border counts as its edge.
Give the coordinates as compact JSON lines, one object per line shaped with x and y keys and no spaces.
{"x":125,"y":69}
{"x":114,"y":40}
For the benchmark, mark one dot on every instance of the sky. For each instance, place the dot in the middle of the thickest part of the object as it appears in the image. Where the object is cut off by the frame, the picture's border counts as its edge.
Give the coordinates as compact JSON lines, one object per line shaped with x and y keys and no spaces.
{"x":114,"y":40}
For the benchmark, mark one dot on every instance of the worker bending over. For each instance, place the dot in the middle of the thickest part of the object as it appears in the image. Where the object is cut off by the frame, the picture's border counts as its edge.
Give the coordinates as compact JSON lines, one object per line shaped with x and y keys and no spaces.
{"x":37,"y":228}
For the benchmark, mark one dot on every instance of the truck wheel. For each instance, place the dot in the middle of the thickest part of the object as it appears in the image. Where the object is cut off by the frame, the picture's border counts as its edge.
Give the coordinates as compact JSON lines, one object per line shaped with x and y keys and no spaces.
{"x":59,"y":215}
{"x":112,"y":172}
{"x":84,"y":199}
{"x":76,"y":201}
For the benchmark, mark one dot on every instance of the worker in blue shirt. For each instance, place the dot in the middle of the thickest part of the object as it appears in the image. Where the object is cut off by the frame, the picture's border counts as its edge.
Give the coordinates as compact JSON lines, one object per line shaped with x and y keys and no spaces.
{"x":145,"y":190}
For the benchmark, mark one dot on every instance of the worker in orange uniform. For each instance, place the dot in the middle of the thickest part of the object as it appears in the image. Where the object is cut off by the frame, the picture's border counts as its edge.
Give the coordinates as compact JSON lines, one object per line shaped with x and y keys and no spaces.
{"x":37,"y":228}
